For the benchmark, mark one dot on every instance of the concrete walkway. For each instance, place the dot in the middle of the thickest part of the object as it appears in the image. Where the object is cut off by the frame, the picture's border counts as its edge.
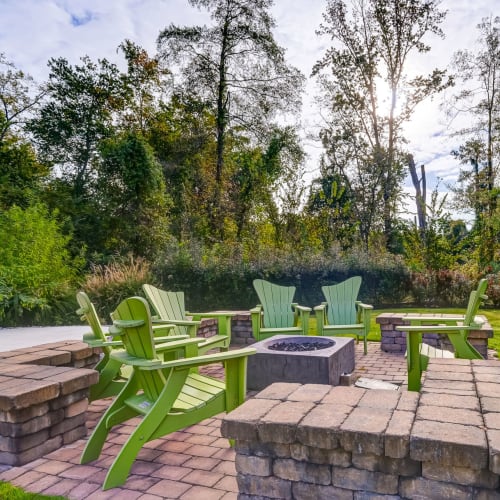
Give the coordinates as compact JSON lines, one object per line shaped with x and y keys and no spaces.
{"x":15,"y":338}
{"x":190,"y":464}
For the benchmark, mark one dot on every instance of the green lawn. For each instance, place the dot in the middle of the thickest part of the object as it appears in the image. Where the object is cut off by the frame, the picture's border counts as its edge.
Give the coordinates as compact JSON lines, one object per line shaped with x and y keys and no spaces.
{"x":493,"y":316}
{"x":7,"y":491}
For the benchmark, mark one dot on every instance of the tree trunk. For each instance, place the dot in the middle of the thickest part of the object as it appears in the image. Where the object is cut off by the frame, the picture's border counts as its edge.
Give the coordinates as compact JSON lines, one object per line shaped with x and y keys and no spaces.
{"x":420,"y":194}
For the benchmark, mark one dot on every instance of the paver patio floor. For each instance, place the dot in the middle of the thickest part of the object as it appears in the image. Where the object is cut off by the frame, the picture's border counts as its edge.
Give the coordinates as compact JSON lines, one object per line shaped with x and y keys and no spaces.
{"x":195,"y":463}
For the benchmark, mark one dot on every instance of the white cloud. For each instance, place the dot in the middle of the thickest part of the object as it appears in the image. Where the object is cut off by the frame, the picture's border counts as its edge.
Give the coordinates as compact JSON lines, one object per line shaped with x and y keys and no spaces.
{"x":32,"y":31}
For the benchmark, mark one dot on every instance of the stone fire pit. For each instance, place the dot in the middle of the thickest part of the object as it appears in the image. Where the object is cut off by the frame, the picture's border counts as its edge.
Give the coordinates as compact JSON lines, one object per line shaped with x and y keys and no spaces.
{"x":329,"y":359}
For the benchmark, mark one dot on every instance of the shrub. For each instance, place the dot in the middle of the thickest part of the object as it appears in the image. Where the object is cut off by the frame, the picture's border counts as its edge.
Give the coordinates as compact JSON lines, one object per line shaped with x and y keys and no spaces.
{"x":36,"y":269}
{"x":444,"y":288}
{"x":221,"y":278}
{"x":493,"y":290}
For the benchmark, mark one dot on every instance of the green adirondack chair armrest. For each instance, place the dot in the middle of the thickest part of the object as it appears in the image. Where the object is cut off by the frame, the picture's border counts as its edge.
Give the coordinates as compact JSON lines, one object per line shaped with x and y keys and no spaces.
{"x":206,"y":359}
{"x":91,"y":341}
{"x":127,"y":359}
{"x":417,"y":320}
{"x":435,"y":328}
{"x":212,"y":314}
{"x":256,"y":319}
{"x":128,"y":323}
{"x":115,"y":330}
{"x":223,"y":321}
{"x":320,"y":312}
{"x":366,"y":307}
{"x":303,"y":313}
{"x":302,"y":309}
{"x":179,"y":322}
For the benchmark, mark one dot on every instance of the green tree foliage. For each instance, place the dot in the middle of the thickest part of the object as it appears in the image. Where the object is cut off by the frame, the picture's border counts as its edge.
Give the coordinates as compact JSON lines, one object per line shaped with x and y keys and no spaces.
{"x":238,"y":69}
{"x":477,"y":188}
{"x":330,"y":203}
{"x":182,"y":136}
{"x":21,"y":174}
{"x":147,"y":85}
{"x":268,"y":180}
{"x":76,"y":115}
{"x":20,"y":171}
{"x":441,"y":244}
{"x":132,"y":201}
{"x":372,"y":41}
{"x":35,"y":265}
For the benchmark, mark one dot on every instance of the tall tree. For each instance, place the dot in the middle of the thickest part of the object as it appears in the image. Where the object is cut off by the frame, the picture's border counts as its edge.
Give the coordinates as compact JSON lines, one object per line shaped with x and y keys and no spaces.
{"x":77,"y":114}
{"x":480,"y":100}
{"x":372,"y":42}
{"x":236,"y":66}
{"x":147,"y":84}
{"x":331,"y":206}
{"x":19,"y":94}
{"x":269,"y":178}
{"x":132,"y":200}
{"x":20,"y":171}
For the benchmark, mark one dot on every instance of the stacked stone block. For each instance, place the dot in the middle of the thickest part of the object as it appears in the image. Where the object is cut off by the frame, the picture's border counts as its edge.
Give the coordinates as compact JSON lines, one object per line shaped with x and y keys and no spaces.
{"x":43,"y":400}
{"x":314,"y":441}
{"x":394,"y":341}
{"x":241,"y":328}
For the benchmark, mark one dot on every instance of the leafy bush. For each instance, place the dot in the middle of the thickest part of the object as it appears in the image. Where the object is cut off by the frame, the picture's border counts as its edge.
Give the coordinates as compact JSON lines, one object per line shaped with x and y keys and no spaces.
{"x":36,"y":269}
{"x":493,"y":290}
{"x":445,"y":288}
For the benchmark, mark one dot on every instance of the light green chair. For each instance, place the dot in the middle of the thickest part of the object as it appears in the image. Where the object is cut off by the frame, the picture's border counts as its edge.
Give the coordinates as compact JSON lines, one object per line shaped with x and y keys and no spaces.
{"x":342,"y":313}
{"x":457,"y":330}
{"x":170,"y":308}
{"x":277,"y":314}
{"x":112,"y":374}
{"x":167,"y":395}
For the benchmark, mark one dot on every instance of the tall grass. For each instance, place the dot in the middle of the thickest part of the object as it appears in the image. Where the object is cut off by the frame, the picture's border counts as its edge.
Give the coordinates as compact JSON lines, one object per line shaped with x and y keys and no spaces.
{"x":107,"y":285}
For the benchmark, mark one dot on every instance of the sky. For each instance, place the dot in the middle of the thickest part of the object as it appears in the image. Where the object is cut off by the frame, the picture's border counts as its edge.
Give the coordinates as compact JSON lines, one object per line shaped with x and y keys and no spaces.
{"x":32,"y":31}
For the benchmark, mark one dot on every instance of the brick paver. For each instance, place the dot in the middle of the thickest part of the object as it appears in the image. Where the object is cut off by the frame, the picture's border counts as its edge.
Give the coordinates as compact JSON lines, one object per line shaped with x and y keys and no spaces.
{"x":189,"y":464}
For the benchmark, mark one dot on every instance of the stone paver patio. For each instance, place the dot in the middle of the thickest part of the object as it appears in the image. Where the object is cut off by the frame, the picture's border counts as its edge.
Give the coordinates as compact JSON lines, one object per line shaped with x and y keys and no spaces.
{"x":190,"y":464}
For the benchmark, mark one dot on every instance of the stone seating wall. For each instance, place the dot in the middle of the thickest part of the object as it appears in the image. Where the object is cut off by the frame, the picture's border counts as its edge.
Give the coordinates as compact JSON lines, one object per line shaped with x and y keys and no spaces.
{"x":44,"y":398}
{"x":318,"y":442}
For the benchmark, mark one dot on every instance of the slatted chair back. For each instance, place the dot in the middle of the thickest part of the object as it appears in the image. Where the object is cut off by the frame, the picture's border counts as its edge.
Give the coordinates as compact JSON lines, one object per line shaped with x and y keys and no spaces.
{"x":88,"y":313}
{"x":341,"y":299}
{"x":476,"y":299}
{"x":169,"y":306}
{"x":138,"y":340}
{"x":277,"y":303}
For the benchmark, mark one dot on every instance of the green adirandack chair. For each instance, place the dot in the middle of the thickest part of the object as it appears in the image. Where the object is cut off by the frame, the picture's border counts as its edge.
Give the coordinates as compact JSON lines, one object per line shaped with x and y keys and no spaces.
{"x":167,"y":395}
{"x":277,"y":314}
{"x":112,"y":374}
{"x":457,"y":330}
{"x":342,"y":313}
{"x":170,"y":308}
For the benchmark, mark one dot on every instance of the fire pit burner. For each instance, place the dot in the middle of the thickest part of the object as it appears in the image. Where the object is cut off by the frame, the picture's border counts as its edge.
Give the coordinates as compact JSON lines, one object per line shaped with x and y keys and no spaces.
{"x":300,"y":346}
{"x":296,"y":362}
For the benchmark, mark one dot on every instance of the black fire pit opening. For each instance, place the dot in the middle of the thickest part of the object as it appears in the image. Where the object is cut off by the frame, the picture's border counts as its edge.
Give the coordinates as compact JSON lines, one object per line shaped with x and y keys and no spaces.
{"x":293,"y":345}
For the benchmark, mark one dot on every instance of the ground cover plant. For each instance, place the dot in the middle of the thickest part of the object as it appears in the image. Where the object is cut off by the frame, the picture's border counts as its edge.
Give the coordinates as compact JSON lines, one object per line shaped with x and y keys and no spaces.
{"x":10,"y":492}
